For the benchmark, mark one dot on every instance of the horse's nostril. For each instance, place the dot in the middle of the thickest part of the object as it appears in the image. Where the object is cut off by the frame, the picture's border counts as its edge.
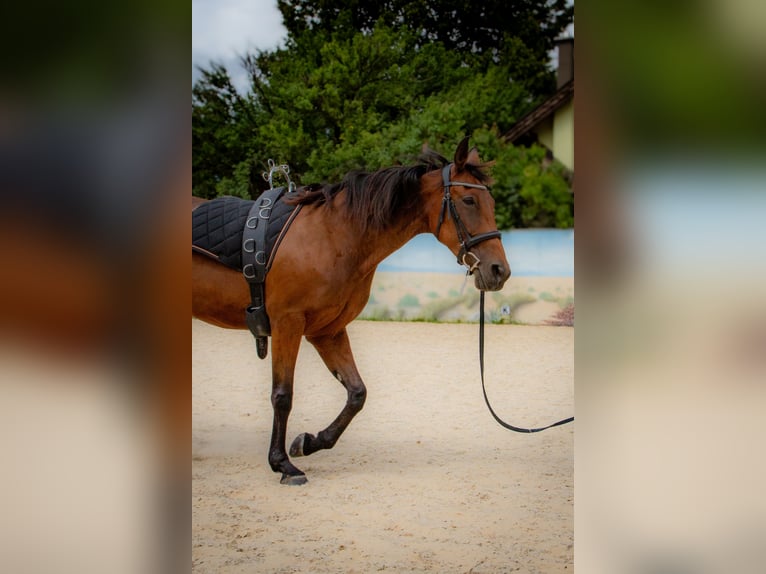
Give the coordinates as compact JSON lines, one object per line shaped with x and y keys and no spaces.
{"x":498,"y":270}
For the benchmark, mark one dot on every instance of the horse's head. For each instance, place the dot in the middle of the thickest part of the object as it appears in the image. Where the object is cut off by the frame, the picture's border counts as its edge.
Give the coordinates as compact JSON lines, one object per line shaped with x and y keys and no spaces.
{"x":465,"y":222}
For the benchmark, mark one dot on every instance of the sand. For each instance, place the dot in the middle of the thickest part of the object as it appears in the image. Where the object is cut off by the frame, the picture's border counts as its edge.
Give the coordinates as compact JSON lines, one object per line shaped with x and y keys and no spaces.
{"x":423,"y":480}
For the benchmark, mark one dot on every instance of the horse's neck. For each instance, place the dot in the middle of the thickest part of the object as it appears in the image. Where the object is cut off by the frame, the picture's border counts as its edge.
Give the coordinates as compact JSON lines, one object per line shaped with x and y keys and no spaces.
{"x":379,"y":245}
{"x":373,"y":246}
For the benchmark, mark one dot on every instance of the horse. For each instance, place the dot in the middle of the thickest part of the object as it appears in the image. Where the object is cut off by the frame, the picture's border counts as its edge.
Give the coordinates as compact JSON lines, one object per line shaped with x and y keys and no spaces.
{"x":322,"y":273}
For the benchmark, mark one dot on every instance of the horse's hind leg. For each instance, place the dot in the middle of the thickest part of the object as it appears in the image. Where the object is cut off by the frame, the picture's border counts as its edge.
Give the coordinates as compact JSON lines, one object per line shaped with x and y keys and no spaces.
{"x":336,"y":354}
{"x":286,"y":338}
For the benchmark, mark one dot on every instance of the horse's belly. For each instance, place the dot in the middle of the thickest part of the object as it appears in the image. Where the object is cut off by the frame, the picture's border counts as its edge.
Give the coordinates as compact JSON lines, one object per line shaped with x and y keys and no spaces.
{"x":219,"y":294}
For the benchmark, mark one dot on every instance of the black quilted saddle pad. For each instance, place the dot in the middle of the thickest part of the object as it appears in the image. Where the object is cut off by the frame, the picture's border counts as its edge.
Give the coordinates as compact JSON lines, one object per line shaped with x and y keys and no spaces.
{"x":217,"y":228}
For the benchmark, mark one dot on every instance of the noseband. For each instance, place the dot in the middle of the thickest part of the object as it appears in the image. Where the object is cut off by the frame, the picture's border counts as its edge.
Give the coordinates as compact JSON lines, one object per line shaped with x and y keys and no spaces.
{"x":464,"y":237}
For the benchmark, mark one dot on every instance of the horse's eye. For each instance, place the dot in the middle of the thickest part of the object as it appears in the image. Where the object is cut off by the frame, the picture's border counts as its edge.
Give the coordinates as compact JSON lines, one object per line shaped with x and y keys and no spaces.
{"x":469,"y":200}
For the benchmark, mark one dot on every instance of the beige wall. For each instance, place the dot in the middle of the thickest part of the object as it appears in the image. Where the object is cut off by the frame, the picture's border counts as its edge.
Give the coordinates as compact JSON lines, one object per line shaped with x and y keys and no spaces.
{"x":563,"y":135}
{"x":544,"y":132}
{"x":557,"y":134}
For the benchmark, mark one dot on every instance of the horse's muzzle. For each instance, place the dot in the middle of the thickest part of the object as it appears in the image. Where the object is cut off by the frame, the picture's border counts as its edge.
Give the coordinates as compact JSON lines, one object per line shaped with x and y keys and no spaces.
{"x":492,"y":275}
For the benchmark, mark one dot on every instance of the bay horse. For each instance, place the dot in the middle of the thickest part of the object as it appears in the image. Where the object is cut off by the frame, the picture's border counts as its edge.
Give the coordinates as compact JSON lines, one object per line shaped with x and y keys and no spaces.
{"x":322,"y":273}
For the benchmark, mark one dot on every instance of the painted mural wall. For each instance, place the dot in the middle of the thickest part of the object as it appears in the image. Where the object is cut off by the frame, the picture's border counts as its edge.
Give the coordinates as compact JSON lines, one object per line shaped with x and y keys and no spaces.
{"x":422,"y":281}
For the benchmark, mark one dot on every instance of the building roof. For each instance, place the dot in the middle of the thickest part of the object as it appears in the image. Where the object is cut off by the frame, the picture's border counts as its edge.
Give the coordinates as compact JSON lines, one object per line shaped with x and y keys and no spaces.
{"x":563,"y":95}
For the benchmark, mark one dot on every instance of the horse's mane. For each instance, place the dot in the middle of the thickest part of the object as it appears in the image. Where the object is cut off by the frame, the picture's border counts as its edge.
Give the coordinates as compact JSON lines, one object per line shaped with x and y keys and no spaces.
{"x":375,"y":200}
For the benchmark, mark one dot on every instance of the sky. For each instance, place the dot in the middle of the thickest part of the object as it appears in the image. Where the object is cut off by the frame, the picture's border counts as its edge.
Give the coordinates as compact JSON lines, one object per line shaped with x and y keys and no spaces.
{"x":222,"y":30}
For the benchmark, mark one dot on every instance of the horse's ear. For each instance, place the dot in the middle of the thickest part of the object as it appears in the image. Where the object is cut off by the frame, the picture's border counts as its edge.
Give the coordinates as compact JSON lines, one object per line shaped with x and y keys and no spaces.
{"x":473,"y":157}
{"x":461,"y":154}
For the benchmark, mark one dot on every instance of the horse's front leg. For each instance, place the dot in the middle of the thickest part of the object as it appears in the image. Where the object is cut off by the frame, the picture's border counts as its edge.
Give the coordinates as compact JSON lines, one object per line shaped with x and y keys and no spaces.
{"x":336,"y":354}
{"x":286,"y":339}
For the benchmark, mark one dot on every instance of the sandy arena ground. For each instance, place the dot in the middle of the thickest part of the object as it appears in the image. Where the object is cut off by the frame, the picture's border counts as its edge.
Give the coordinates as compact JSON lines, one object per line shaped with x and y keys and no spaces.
{"x":423,"y":480}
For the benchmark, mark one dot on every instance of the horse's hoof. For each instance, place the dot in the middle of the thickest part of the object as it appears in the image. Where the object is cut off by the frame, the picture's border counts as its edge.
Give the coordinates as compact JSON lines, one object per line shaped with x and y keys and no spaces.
{"x":296,"y":449}
{"x":293,"y":479}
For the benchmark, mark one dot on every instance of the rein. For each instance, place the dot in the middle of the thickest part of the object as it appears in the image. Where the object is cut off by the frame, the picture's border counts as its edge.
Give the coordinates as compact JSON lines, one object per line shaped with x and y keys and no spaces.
{"x":500,"y":421}
{"x":467,"y":241}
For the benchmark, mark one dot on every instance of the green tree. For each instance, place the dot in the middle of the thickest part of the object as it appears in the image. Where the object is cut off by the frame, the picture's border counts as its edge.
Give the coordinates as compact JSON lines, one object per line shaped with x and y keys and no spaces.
{"x":222,"y":122}
{"x":440,"y":119}
{"x":318,"y":96}
{"x":530,"y":190}
{"x":474,"y":30}
{"x":368,"y":91}
{"x":240,"y":184}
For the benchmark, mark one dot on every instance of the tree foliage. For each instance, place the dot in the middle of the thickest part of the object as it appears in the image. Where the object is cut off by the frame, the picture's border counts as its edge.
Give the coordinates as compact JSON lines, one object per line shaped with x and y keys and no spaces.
{"x":473,"y":29}
{"x":221,"y":130}
{"x":358,"y":86}
{"x":529,"y":189}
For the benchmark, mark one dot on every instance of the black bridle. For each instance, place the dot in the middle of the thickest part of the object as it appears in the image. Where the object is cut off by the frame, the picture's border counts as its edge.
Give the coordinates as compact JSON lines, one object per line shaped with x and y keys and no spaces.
{"x":466,"y":242}
{"x":463,"y":235}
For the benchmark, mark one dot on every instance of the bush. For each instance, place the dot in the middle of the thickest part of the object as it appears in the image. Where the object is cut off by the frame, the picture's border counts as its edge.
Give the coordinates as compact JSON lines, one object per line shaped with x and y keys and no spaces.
{"x":238,"y":185}
{"x":528,"y":190}
{"x":563,"y":318}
